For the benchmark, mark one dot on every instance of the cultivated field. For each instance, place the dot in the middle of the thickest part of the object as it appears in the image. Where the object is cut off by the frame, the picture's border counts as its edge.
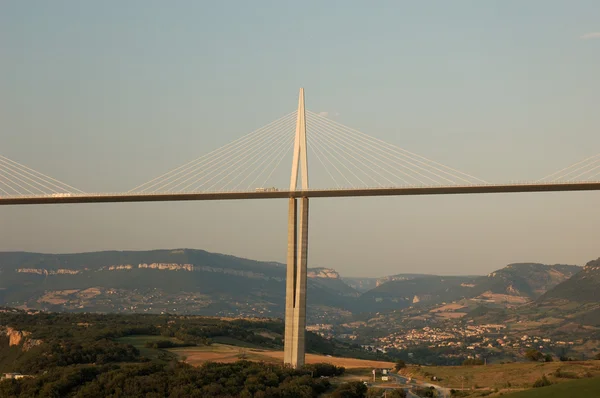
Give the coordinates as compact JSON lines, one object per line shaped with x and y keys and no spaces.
{"x":229,"y":353}
{"x":577,"y":388}
{"x":505,"y":376}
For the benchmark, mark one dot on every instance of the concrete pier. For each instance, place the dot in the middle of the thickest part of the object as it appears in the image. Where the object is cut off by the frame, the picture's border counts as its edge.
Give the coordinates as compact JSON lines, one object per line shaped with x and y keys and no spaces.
{"x":297,"y":254}
{"x":296,"y":280}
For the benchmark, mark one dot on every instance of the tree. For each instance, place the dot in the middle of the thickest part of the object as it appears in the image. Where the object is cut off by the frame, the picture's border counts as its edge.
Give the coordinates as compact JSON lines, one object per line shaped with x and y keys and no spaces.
{"x":400,"y":364}
{"x":534,"y":355}
{"x":543,"y":382}
{"x":354,"y":389}
{"x":548,"y":358}
{"x":399,"y":393}
{"x":472,"y":362}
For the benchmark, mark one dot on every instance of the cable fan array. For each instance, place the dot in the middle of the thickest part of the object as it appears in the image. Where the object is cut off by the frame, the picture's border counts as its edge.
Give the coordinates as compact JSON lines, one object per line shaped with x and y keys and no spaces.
{"x":587,"y":169}
{"x":353,"y":159}
{"x":339,"y":157}
{"x":241,"y":165}
{"x":19,"y":180}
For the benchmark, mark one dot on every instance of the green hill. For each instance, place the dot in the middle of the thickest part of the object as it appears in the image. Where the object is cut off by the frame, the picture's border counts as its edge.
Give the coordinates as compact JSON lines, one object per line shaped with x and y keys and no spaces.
{"x":577,"y":388}
{"x":581,"y":288}
{"x":159,"y":281}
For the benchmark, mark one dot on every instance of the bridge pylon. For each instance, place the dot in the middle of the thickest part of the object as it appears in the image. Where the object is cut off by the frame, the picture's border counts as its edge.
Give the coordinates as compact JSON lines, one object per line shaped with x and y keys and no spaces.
{"x":297,"y":253}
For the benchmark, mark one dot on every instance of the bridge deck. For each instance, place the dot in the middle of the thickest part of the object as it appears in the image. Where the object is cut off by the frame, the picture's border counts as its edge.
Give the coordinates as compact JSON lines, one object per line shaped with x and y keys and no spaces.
{"x":326,"y":193}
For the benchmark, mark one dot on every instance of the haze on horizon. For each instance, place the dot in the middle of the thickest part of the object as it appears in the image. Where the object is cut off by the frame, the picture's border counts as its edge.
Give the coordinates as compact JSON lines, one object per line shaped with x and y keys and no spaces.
{"x":105,"y":96}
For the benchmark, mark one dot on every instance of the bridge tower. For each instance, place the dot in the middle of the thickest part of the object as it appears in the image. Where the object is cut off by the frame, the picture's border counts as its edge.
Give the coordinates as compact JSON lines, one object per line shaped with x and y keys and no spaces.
{"x":297,"y":254}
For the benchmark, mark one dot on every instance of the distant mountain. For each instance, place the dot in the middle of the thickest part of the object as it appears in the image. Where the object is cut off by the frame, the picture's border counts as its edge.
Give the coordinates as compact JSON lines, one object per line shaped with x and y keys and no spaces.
{"x":171,"y":281}
{"x":513,"y":284}
{"x":583,"y":287}
{"x":360,"y":284}
{"x":398,"y":294}
{"x":529,"y":280}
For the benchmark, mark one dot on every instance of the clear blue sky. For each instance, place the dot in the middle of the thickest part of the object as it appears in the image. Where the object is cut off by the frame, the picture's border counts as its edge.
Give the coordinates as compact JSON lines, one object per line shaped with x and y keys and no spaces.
{"x":106,"y":95}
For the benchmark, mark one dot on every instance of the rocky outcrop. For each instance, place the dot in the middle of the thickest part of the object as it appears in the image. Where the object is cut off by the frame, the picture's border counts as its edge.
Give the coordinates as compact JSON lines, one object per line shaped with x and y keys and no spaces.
{"x":323,"y":273}
{"x":20,"y":337}
{"x":15,"y":337}
{"x":42,"y":271}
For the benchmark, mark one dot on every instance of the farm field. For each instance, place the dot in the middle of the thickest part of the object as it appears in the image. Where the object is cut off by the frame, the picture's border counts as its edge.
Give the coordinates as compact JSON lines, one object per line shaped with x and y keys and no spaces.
{"x":576,"y":388}
{"x":505,"y":376}
{"x":229,"y":353}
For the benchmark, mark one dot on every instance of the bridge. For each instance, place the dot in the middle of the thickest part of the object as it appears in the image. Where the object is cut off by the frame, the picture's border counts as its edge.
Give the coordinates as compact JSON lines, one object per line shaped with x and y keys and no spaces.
{"x":348,"y":163}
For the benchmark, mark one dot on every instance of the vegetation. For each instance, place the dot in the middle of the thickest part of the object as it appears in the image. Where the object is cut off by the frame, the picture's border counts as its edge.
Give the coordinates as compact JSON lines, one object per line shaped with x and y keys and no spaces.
{"x":542,"y":382}
{"x":576,"y":388}
{"x":502,"y":376}
{"x":240,"y":379}
{"x":92,"y":355}
{"x":534,"y":355}
{"x":400,"y":364}
{"x":472,"y":362}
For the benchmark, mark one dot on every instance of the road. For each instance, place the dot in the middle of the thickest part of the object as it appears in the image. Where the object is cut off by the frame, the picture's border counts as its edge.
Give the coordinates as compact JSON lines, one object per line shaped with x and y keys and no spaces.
{"x":311,"y":193}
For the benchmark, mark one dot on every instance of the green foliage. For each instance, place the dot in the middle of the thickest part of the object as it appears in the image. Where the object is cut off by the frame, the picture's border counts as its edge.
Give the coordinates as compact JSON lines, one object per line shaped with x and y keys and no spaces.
{"x":534,"y":355}
{"x":576,"y":388}
{"x":324,"y":370}
{"x":472,"y":362}
{"x":426,"y":392}
{"x":162,"y":344}
{"x":240,"y":379}
{"x":354,"y":389}
{"x":548,"y":358}
{"x":400,"y":364}
{"x":559,"y":373}
{"x":542,"y":382}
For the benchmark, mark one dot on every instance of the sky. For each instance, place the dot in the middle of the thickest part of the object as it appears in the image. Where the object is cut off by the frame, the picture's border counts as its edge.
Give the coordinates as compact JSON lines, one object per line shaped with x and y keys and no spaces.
{"x":107,"y":95}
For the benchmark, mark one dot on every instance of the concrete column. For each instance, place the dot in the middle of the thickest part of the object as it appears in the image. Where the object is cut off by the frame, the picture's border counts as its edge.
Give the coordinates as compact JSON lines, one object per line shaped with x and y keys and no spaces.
{"x":290,"y":282}
{"x":301,"y":281}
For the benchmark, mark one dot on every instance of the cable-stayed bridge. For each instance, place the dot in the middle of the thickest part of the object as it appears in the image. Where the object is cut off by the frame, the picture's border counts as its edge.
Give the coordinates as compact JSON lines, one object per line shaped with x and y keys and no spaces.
{"x":346,"y":163}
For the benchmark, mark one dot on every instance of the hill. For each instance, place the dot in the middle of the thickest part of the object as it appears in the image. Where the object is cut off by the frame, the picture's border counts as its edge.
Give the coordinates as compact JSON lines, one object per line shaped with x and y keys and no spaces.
{"x":529,"y":280}
{"x":159,"y":281}
{"x":576,"y":388}
{"x":581,"y":288}
{"x":513,"y":284}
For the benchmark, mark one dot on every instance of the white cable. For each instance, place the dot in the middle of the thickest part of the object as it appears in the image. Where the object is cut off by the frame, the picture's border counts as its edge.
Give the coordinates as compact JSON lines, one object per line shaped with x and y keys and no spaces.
{"x":396,"y":159}
{"x":243,"y":154}
{"x":280,"y":156}
{"x":311,"y":141}
{"x":17,"y":184}
{"x":279,"y":143}
{"x":7,"y":194}
{"x":228,"y":146}
{"x":200,"y":168}
{"x":206,"y":170}
{"x":586,"y":172}
{"x":331,"y":141}
{"x":347,"y":137}
{"x":379,"y":152}
{"x":396,"y":148}
{"x":260,"y":151}
{"x":564,"y":175}
{"x":333,"y":150}
{"x":316,"y":148}
{"x":322,"y":163}
{"x":43,"y":175}
{"x":14,"y":170}
{"x":566,"y":168}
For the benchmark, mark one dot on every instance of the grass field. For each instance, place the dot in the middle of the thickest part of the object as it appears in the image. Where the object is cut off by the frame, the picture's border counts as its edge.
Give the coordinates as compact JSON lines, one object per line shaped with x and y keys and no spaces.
{"x":502,"y":376}
{"x":229,"y":353}
{"x":139,"y":342}
{"x":576,"y":388}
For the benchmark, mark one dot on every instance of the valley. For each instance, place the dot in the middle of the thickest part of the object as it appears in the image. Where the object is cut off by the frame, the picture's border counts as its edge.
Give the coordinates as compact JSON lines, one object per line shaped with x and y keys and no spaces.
{"x":424,"y":319}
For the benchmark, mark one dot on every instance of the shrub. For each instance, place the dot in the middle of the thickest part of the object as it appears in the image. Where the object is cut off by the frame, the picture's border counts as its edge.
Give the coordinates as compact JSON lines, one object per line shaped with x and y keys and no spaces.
{"x":472,"y":362}
{"x":543,"y":382}
{"x":400,"y":364}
